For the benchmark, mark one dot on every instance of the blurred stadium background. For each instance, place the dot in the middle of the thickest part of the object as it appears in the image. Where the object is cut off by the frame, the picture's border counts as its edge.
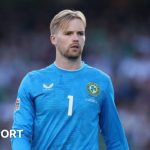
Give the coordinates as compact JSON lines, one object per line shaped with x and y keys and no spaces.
{"x":118,"y":42}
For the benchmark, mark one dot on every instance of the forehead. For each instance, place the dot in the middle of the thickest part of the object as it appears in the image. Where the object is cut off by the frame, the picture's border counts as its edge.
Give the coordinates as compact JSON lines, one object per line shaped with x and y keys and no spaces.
{"x":73,"y":25}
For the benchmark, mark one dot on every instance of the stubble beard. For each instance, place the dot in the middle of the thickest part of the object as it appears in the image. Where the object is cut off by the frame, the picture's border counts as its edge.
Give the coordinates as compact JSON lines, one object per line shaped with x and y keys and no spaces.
{"x":71,"y":54}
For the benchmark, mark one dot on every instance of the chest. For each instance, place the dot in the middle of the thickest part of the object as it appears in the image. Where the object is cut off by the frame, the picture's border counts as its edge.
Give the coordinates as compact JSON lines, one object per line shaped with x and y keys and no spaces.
{"x":68,"y":97}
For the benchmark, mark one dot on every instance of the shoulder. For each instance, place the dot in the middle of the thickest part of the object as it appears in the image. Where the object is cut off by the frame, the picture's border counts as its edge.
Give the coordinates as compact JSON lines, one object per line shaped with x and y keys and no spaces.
{"x":35,"y":78}
{"x":37,"y":75}
{"x":39,"y":72}
{"x":98,"y":73}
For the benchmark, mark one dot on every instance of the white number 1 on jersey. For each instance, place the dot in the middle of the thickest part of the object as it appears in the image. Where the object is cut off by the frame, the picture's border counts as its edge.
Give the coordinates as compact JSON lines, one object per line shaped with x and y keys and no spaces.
{"x":70,"y":98}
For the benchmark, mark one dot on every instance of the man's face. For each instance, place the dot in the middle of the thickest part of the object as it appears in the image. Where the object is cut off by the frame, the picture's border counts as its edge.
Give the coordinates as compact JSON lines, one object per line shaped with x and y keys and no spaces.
{"x":69,"y":41}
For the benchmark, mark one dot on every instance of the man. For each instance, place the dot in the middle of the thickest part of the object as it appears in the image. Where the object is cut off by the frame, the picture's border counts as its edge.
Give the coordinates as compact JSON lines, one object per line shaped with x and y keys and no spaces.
{"x":65,"y":105}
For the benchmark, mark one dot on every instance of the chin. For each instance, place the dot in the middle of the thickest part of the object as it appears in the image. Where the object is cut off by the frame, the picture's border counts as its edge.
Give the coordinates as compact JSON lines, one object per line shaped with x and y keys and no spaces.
{"x":73,"y":57}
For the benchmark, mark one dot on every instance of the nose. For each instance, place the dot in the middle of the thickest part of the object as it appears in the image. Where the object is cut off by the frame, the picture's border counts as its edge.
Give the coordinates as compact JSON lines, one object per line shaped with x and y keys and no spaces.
{"x":75,"y":37}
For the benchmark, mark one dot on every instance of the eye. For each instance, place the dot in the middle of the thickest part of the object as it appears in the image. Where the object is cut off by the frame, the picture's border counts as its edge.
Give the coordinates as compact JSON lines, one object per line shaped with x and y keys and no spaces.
{"x":68,"y":33}
{"x":81,"y":33}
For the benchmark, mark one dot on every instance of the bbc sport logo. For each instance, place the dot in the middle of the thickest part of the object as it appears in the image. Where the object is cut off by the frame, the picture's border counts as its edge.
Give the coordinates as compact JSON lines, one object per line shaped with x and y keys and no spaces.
{"x":11,"y":133}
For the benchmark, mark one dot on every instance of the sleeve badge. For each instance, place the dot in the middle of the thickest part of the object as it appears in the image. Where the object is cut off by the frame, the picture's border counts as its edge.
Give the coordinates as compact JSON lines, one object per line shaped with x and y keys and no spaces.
{"x":17,"y":104}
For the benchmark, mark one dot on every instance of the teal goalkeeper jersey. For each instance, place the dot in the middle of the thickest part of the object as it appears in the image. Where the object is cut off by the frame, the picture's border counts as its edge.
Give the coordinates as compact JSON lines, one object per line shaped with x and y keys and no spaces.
{"x":59,"y":109}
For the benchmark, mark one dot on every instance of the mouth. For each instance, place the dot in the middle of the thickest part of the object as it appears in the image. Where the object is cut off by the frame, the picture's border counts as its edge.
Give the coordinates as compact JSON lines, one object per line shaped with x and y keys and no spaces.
{"x":75,"y":46}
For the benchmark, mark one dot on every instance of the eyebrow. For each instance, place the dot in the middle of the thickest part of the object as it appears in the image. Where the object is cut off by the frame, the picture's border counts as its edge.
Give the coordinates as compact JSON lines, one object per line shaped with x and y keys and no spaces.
{"x":70,"y":32}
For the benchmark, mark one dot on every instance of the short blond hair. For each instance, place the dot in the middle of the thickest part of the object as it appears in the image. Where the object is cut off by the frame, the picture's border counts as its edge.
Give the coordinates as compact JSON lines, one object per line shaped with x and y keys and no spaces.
{"x":64,"y":17}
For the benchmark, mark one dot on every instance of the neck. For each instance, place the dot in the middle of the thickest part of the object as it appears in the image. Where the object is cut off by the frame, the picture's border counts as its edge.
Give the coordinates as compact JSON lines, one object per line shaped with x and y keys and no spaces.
{"x":68,"y":64}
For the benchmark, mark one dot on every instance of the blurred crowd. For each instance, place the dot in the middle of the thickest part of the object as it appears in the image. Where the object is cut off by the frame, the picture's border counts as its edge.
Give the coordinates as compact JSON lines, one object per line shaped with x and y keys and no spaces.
{"x":125,"y":55}
{"x":119,"y":49}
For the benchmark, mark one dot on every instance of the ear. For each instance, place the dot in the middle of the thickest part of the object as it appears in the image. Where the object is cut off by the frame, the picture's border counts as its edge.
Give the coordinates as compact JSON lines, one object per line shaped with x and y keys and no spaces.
{"x":53,"y":39}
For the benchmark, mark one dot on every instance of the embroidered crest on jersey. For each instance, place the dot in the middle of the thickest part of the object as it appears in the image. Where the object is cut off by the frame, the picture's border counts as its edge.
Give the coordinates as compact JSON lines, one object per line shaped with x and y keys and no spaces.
{"x":93,"y":88}
{"x":17,"y":104}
